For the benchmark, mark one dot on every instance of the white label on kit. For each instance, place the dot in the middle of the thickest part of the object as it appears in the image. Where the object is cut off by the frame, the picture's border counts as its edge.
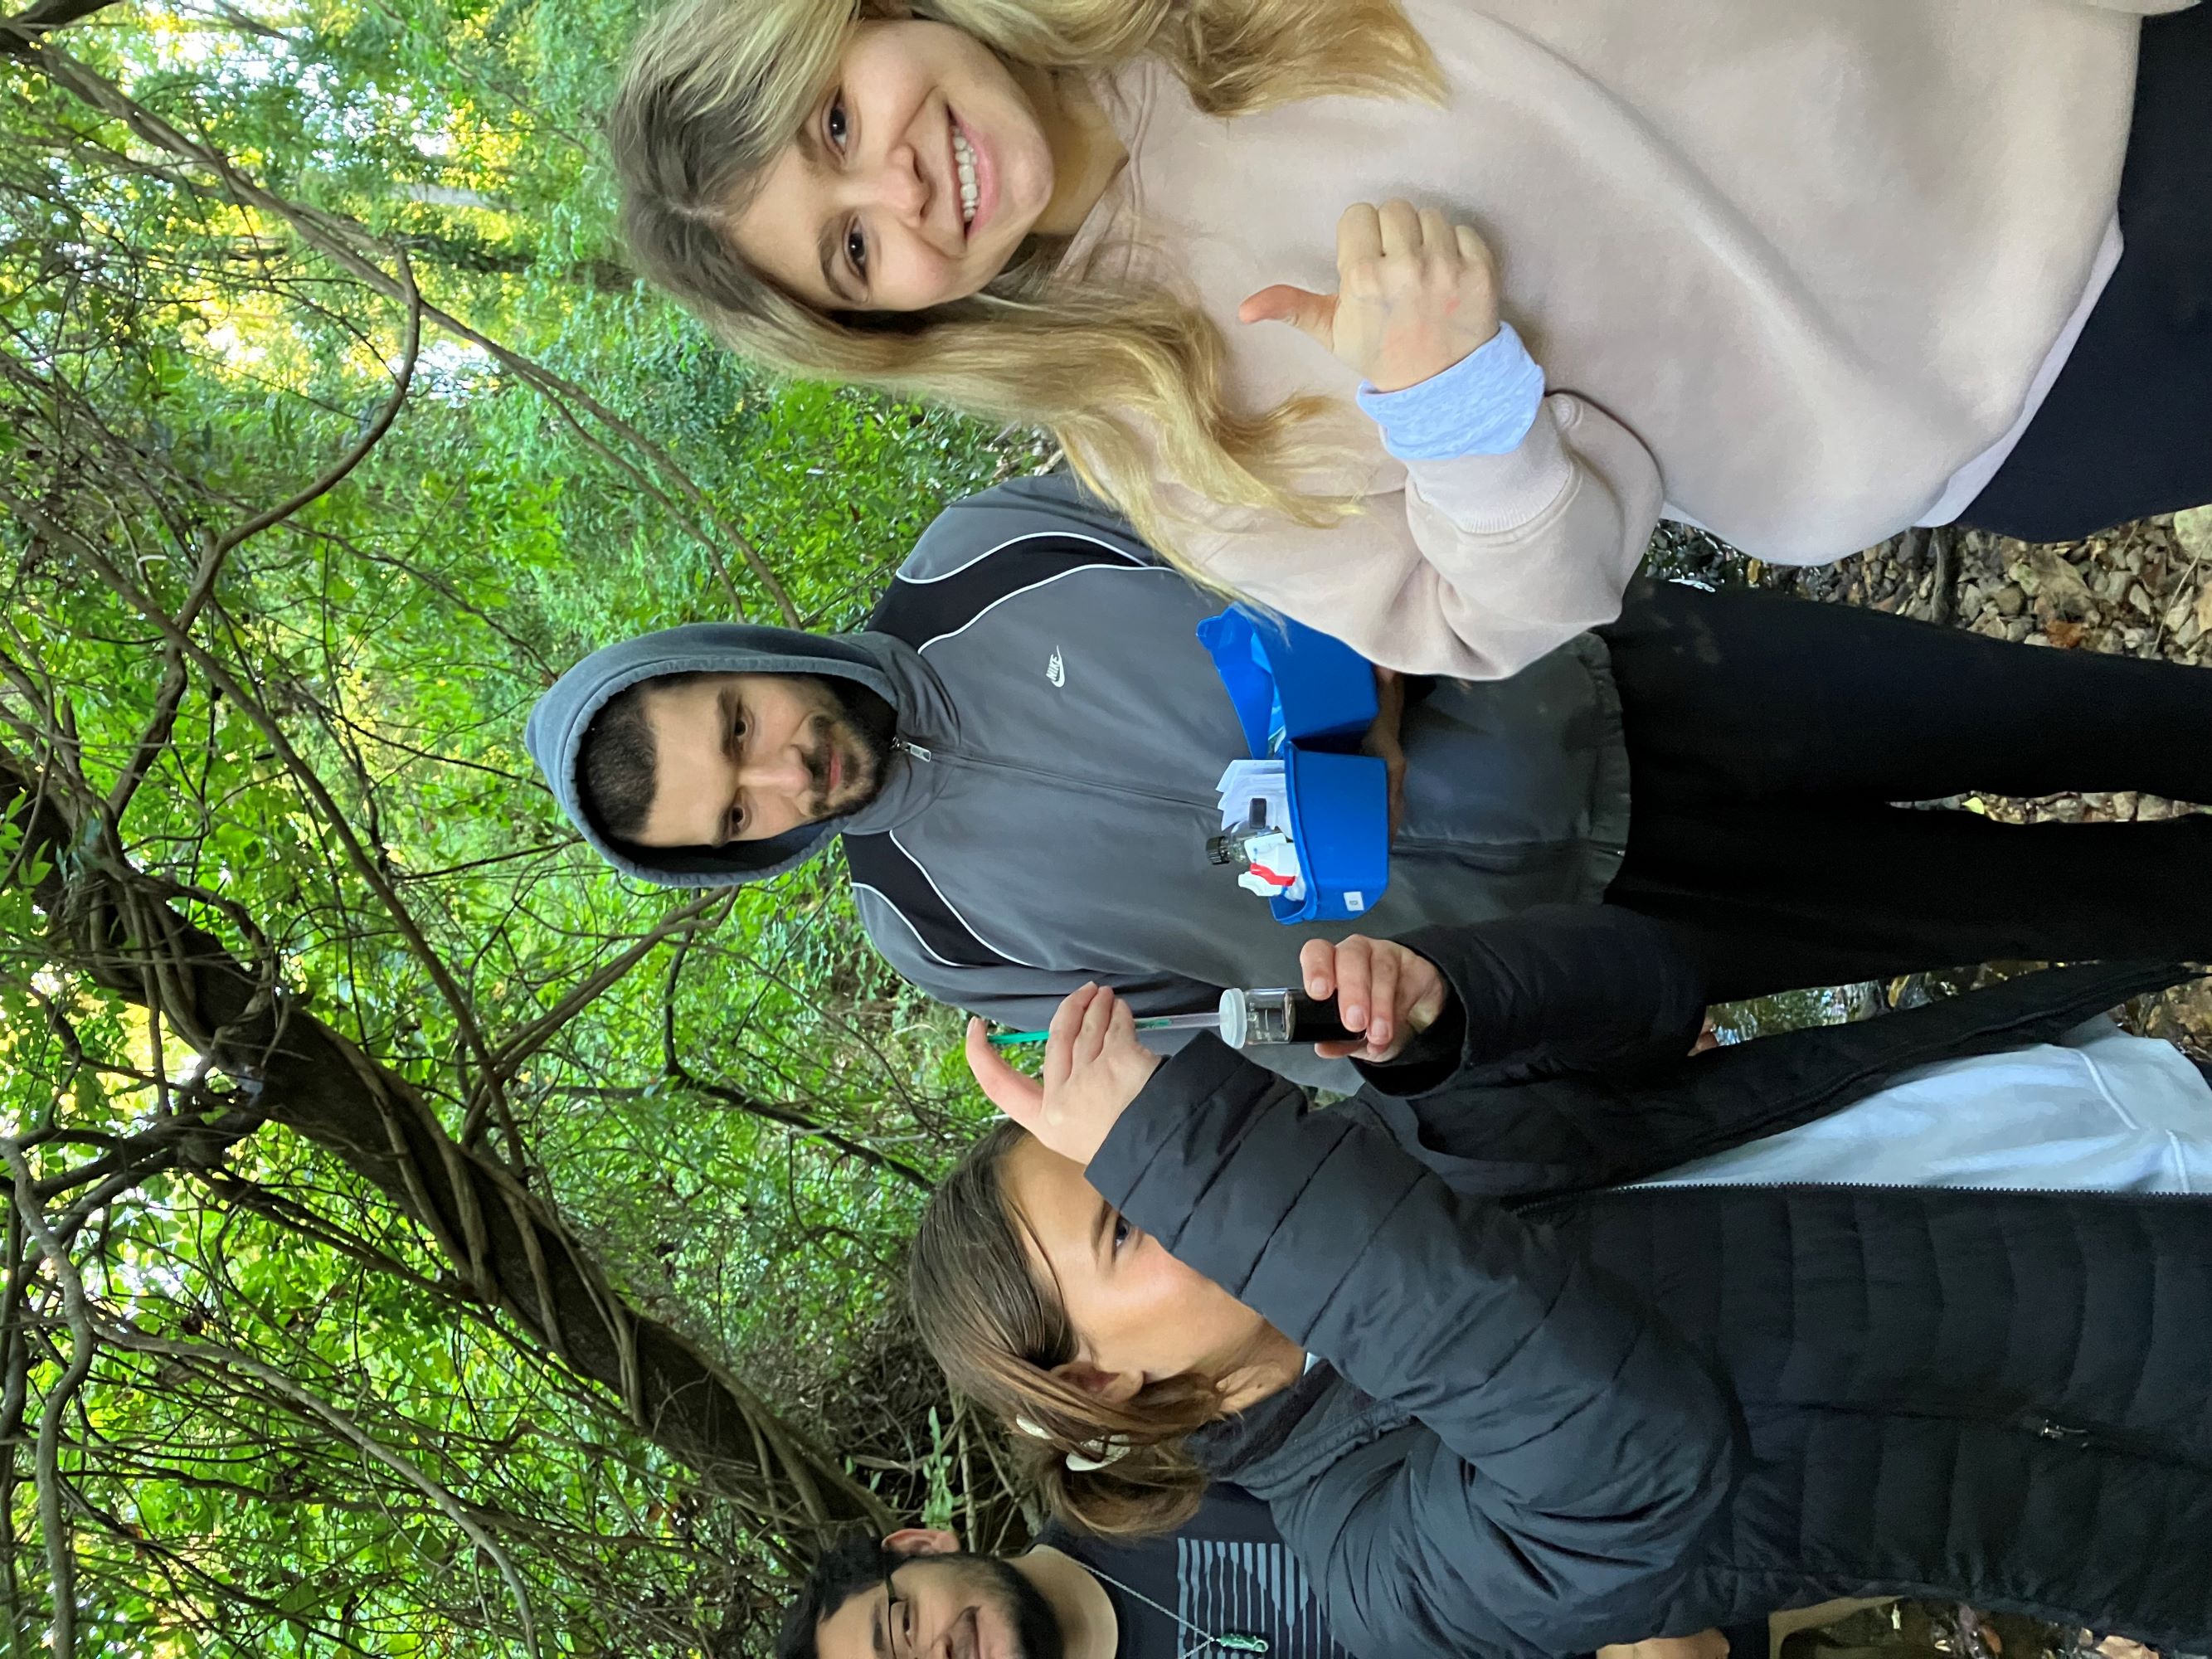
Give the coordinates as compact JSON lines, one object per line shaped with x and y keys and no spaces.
{"x":1355,"y":903}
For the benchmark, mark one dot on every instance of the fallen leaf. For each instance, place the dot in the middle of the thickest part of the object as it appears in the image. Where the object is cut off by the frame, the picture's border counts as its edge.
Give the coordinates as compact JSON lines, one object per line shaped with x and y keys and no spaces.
{"x":2064,"y":634}
{"x":2059,"y":586}
{"x":2193,"y":530}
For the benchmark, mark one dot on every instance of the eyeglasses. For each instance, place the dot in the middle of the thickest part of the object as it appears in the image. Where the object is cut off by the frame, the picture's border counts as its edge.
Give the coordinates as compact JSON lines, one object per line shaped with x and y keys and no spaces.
{"x":894,"y":1611}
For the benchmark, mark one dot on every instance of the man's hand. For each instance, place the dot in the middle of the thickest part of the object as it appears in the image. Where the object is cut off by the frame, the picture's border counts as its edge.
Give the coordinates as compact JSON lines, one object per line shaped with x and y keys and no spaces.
{"x":1384,"y":739}
{"x":1705,"y":1644}
{"x":1094,"y":1067}
{"x":1415,"y":294}
{"x":1381,"y":989}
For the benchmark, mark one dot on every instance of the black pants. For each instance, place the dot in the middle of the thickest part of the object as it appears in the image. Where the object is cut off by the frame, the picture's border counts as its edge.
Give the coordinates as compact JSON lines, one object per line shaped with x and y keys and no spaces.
{"x":2127,"y":429}
{"x":1767,"y":738}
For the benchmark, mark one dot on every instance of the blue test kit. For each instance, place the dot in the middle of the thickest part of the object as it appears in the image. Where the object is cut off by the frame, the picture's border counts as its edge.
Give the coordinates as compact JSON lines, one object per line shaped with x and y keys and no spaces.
{"x":1307,"y":699}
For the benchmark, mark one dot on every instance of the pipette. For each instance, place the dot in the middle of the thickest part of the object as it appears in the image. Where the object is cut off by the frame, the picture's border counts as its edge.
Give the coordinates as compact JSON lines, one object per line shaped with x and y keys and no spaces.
{"x":1243,"y":1019}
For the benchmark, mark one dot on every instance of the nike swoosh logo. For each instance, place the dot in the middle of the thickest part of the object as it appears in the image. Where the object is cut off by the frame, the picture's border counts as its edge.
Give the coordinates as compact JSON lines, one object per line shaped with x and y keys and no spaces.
{"x":1055,"y":670}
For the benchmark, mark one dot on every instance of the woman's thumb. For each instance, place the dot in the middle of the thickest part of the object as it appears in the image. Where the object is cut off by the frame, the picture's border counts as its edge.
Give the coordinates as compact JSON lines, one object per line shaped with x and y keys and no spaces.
{"x":1021,"y":1098}
{"x":1313,"y":314}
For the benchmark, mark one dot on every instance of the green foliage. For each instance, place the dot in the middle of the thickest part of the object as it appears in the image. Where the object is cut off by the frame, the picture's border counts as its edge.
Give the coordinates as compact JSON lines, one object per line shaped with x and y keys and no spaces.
{"x":177,"y":356}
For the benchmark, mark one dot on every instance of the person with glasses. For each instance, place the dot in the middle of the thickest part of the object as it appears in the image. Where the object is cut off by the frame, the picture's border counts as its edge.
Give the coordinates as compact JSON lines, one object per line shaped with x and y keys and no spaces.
{"x":1221,"y":1584}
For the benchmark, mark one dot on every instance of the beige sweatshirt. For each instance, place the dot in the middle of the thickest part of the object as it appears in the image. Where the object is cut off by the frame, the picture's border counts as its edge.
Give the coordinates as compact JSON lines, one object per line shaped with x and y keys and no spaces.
{"x":1788,"y":264}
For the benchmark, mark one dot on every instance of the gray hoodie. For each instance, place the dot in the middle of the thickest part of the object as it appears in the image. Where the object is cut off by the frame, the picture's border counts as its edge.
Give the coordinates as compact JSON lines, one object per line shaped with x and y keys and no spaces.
{"x":1061,"y":732}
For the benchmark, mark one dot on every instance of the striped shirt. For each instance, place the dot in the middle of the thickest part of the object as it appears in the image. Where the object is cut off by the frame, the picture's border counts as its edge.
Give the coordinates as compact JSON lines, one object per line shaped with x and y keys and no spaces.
{"x":1225,"y":1572}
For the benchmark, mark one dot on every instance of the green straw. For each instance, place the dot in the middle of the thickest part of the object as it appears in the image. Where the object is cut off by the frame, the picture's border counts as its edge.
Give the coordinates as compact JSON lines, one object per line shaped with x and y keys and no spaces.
{"x":1207,"y":1022}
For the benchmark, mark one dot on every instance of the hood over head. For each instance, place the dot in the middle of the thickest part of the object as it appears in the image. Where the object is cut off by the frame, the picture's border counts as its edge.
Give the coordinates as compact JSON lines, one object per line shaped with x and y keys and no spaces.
{"x":554,"y":735}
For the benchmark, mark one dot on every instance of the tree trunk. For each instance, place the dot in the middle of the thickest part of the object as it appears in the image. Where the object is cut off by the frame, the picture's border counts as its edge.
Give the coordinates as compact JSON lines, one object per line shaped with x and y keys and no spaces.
{"x":505,"y":1242}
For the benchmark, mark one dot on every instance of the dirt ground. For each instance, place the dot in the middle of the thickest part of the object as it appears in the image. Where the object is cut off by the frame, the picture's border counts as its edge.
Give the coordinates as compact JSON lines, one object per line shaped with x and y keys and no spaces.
{"x":2142,"y":590}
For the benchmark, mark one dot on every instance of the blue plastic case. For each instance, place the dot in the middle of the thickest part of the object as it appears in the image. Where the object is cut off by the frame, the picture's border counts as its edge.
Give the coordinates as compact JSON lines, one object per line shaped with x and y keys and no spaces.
{"x":1301,"y":697}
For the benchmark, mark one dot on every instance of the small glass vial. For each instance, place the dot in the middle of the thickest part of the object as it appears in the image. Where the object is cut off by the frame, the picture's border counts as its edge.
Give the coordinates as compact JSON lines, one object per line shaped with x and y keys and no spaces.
{"x":1279,"y":1015}
{"x":1234,"y":846}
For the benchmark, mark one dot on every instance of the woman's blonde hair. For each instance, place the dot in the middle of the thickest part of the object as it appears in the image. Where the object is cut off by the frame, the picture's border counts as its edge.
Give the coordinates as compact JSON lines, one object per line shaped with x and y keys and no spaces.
{"x":1128,"y":377}
{"x":997,"y":1333}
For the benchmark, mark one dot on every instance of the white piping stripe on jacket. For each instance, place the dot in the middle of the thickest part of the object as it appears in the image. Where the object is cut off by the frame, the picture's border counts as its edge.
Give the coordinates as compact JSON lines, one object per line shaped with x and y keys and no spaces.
{"x":955,"y":909}
{"x":1026,"y":536}
{"x":1079,"y":570}
{"x":891,"y":905}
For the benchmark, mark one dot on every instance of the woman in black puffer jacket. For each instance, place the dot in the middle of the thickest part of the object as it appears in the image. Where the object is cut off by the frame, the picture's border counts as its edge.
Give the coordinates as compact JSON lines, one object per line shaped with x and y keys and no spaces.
{"x":1534,"y":1427}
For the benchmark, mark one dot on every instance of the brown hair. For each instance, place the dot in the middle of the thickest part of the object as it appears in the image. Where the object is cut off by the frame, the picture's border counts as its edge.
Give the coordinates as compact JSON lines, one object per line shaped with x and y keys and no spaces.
{"x":618,"y":763}
{"x":998,"y":1332}
{"x":1128,"y":377}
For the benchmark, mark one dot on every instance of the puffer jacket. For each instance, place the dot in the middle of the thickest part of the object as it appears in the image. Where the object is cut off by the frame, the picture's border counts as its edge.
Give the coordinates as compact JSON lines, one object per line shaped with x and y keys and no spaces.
{"x":1999,"y":1396}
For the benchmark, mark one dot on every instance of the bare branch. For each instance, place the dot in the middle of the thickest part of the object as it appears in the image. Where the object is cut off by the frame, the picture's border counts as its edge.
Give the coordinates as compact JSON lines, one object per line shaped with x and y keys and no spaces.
{"x":792,"y":1118}
{"x":540,"y":1031}
{"x":672,"y":1066}
{"x":341,"y":241}
{"x":211,"y":1355}
{"x":402,"y":379}
{"x":45,"y":17}
{"x":155,"y":736}
{"x":61,"y":1554}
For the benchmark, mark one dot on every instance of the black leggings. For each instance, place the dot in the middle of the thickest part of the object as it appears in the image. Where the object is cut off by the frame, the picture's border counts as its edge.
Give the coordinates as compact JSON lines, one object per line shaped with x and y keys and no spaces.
{"x":1767,"y":738}
{"x":2127,"y":429}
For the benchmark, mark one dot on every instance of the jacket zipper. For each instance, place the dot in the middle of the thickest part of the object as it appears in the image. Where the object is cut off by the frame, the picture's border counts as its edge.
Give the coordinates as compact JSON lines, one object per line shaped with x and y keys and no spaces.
{"x":1093,"y":785}
{"x":1464,"y":851}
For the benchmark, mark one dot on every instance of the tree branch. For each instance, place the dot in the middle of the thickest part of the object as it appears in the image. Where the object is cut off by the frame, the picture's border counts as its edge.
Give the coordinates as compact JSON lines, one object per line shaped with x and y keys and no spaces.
{"x":209,"y":1355}
{"x":673,"y":1068}
{"x":155,"y":736}
{"x":53,"y":1521}
{"x":364,"y":865}
{"x":47,"y":16}
{"x":680,"y":919}
{"x":337,"y":238}
{"x":508,"y":1244}
{"x":402,"y":380}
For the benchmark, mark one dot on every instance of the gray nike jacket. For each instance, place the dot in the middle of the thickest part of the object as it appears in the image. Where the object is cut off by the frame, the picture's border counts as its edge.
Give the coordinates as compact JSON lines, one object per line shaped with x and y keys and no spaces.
{"x":1061,"y":732}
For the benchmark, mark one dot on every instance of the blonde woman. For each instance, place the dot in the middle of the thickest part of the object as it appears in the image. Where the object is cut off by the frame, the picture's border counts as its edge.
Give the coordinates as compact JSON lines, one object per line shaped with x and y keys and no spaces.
{"x":1805,"y":272}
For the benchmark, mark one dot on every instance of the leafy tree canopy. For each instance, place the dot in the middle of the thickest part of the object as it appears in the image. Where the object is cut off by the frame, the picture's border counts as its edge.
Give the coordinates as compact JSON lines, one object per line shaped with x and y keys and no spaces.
{"x":421,"y":1241}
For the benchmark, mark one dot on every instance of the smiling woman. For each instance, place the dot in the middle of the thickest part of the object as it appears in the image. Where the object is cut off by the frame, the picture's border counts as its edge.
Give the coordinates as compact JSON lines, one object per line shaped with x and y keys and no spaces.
{"x":921,"y":173}
{"x":798,"y":173}
{"x":1806,"y":274}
